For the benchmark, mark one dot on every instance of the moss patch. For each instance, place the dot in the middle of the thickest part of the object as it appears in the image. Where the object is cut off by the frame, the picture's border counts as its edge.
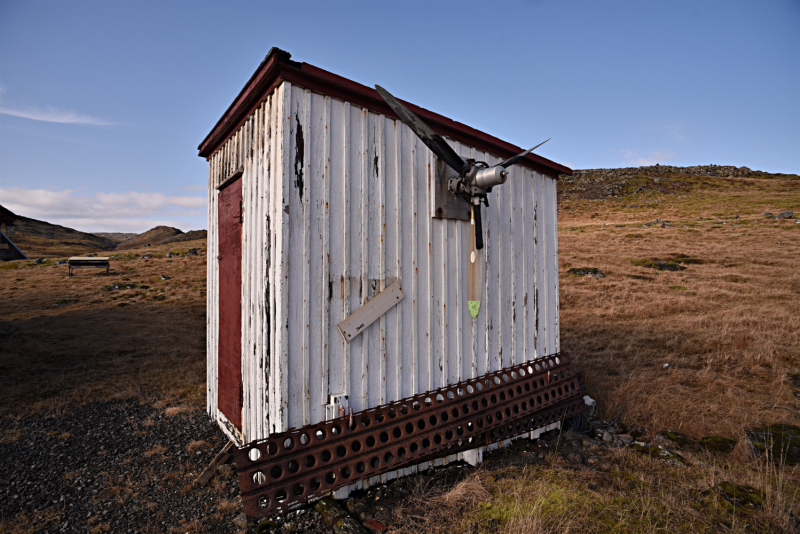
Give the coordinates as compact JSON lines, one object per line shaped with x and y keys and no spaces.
{"x":781,"y":442}
{"x":717,"y":444}
{"x":661,"y":265}
{"x":681,"y":440}
{"x":658,"y":453}
{"x":740,"y":497}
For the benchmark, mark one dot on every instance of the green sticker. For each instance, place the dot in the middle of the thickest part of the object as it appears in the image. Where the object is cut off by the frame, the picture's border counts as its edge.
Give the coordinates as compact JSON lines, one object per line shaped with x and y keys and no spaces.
{"x":474,"y":308}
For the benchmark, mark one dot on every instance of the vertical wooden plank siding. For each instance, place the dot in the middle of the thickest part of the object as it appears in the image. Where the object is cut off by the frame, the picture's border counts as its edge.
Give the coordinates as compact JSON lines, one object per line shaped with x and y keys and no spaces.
{"x":337,"y":206}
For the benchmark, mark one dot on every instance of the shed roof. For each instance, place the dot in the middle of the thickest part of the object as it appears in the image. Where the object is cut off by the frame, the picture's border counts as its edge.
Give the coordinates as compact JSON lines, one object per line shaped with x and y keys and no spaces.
{"x":277,"y":67}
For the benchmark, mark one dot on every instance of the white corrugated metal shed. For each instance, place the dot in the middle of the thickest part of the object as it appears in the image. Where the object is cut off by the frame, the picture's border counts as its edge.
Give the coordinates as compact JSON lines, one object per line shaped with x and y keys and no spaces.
{"x":337,"y":205}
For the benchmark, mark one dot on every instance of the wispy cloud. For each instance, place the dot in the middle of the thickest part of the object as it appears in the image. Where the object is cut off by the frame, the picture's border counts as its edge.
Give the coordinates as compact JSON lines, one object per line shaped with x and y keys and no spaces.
{"x":633,"y":158}
{"x":195,"y":187}
{"x":675,"y":131}
{"x":53,"y":115}
{"x":132,"y":211}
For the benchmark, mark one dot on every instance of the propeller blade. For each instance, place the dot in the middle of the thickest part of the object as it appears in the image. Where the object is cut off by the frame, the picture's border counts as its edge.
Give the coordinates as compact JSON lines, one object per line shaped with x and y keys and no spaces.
{"x":512,"y":160}
{"x":474,"y":265}
{"x":433,"y":140}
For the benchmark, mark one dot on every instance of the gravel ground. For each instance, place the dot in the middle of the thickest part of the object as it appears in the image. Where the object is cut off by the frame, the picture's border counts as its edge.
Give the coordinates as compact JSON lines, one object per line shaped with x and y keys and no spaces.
{"x":114,"y":466}
{"x":126,"y":467}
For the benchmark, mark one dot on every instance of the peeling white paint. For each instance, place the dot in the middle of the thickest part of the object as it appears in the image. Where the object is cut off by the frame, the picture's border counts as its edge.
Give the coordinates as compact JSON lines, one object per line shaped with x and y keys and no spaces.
{"x":317,"y":246}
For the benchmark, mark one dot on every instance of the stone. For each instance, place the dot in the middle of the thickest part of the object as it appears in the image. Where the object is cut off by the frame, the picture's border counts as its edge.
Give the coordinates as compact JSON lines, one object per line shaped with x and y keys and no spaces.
{"x":37,"y":261}
{"x":740,"y":496}
{"x":675,"y":438}
{"x":164,"y":277}
{"x":768,"y":215}
{"x":604,"y":435}
{"x":267,"y":525}
{"x":625,"y":439}
{"x":589,"y":442}
{"x":374,"y":526}
{"x":355,"y":506}
{"x":780,"y":442}
{"x":717,"y":444}
{"x":169,"y":254}
{"x":591,"y":406}
{"x":794,"y":380}
{"x":657,"y":452}
{"x":668,"y":266}
{"x":240,"y":520}
{"x":784,"y":215}
{"x":587,"y":271}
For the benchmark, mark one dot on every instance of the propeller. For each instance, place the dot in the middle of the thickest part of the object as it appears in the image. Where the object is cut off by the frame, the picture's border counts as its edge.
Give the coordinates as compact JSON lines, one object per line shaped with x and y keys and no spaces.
{"x":475,"y":180}
{"x":433,"y":140}
{"x":512,"y":160}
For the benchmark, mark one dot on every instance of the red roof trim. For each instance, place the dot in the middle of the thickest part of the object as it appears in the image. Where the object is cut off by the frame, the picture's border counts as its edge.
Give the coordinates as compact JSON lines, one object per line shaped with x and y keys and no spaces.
{"x":277,"y":68}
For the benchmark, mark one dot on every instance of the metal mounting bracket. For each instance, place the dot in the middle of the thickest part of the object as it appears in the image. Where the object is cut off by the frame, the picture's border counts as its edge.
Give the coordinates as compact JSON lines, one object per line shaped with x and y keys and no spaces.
{"x":445,"y":204}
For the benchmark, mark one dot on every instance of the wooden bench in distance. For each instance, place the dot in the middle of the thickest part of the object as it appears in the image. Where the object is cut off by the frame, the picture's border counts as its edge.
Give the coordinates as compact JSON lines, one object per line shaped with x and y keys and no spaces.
{"x":82,"y":262}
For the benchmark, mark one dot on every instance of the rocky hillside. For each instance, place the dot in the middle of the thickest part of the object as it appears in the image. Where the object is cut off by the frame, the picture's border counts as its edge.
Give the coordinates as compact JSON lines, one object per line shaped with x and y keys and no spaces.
{"x":662,"y":170}
{"x":119,"y":237}
{"x":598,"y":184}
{"x":40,"y":238}
{"x":161,"y":235}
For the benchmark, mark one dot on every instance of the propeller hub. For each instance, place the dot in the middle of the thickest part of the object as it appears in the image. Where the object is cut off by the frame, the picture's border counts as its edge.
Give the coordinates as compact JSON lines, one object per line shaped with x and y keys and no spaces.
{"x":486,"y":178}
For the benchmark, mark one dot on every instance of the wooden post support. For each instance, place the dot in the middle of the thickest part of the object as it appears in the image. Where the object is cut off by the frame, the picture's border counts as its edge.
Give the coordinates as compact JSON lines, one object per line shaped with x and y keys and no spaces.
{"x":337,"y":517}
{"x":218,"y":460}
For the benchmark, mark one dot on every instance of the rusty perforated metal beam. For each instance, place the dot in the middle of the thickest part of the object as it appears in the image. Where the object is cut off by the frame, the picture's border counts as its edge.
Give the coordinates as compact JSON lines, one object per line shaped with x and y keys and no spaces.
{"x":301,"y":464}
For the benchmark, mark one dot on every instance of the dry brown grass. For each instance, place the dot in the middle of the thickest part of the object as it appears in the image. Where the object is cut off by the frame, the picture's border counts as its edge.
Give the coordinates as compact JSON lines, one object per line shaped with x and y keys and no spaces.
{"x":10,"y":436}
{"x":146,"y":343}
{"x":730,"y":337}
{"x":727,"y":326}
{"x":197,"y":445}
{"x":158,"y":449}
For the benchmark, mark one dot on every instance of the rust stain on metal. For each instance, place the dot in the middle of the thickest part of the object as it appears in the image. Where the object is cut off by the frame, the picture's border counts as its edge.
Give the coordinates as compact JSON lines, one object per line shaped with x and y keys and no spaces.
{"x":292,"y":467}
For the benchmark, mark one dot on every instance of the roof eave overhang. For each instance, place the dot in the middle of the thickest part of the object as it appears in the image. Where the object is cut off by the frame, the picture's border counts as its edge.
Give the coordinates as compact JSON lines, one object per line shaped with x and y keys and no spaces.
{"x":277,"y":68}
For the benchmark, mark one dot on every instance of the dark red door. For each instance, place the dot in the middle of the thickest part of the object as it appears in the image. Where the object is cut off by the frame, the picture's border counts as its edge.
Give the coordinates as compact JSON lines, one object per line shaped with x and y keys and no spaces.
{"x":229,"y":391}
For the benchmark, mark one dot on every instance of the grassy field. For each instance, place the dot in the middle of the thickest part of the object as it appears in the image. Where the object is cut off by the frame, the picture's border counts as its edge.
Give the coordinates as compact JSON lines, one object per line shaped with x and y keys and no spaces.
{"x":75,"y":340}
{"x":710,"y":348}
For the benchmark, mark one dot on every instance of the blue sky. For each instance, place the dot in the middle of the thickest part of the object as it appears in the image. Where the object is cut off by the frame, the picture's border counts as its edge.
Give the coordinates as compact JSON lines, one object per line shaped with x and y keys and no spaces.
{"x":103,"y":104}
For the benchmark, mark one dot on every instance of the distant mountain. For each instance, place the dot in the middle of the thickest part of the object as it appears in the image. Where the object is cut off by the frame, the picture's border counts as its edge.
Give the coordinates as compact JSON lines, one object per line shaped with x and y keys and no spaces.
{"x":41,"y":239}
{"x":161,"y":235}
{"x":119,"y":237}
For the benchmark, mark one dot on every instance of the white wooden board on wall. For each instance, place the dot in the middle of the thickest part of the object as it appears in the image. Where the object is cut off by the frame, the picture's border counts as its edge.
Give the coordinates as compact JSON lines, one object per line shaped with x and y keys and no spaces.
{"x":371,"y":311}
